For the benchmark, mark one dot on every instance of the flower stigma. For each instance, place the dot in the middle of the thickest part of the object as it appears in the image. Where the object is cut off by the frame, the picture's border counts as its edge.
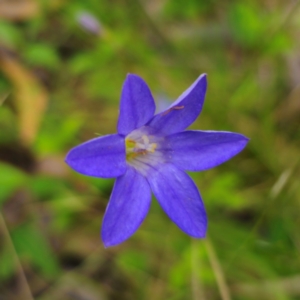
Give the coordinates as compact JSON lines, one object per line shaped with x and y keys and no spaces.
{"x":141,"y":146}
{"x":144,"y":150}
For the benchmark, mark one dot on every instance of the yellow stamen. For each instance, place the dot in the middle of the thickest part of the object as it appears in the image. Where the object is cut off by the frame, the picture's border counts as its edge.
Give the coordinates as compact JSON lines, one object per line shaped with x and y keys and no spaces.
{"x":141,"y":147}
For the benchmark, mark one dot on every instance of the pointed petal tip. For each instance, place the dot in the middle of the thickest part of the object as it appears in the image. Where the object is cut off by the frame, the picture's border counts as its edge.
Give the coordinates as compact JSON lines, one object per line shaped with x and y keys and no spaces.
{"x":197,"y":233}
{"x":108,"y":244}
{"x":201,"y":234}
{"x":68,"y":158}
{"x":112,"y":241}
{"x":130,"y":76}
{"x":201,"y":231}
{"x":203,"y":76}
{"x":245,"y":141}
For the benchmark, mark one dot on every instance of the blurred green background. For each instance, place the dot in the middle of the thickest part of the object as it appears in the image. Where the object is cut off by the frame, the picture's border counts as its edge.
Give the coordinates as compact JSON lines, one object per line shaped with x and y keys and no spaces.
{"x":62,"y":65}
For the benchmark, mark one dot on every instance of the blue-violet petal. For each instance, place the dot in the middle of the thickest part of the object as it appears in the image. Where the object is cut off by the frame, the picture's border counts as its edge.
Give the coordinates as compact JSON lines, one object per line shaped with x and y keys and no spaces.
{"x":137,"y":105}
{"x":100,"y":157}
{"x":180,"y":199}
{"x":202,"y":150}
{"x":183,"y":112}
{"x":128,"y":205}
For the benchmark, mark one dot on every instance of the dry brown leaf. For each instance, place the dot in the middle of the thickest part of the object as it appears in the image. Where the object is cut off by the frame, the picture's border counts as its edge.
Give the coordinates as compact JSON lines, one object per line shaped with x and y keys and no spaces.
{"x":18,"y":10}
{"x":30,"y":97}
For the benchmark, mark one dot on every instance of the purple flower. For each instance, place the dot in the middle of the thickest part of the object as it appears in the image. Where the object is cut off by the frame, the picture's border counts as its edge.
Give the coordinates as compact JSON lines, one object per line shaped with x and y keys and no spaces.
{"x":152,"y":152}
{"x":89,"y":22}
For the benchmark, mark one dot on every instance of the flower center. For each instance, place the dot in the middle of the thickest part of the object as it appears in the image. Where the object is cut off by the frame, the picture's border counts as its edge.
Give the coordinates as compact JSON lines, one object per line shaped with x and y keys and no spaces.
{"x":135,"y":148}
{"x":144,"y":150}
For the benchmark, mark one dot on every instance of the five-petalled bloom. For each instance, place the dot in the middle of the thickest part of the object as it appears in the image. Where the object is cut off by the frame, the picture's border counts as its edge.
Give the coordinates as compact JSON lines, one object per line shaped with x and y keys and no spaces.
{"x":152,"y":152}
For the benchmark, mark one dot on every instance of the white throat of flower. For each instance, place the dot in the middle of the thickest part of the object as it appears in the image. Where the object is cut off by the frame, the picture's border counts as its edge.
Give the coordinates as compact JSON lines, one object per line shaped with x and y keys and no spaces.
{"x":142,"y":146}
{"x":142,"y":150}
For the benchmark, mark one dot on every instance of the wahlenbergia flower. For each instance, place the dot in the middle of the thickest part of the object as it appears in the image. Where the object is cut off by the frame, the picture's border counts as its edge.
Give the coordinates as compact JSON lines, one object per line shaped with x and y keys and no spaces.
{"x":152,"y":152}
{"x":89,"y":22}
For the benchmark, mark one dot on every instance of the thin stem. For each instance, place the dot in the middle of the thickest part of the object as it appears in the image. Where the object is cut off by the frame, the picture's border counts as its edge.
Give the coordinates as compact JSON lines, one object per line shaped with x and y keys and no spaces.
{"x":223,"y":288}
{"x":197,"y":288}
{"x":26,"y":292}
{"x":3,"y":98}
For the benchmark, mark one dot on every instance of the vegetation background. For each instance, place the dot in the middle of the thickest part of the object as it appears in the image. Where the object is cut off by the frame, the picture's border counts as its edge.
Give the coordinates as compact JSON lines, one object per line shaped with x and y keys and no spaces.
{"x":62,"y":65}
